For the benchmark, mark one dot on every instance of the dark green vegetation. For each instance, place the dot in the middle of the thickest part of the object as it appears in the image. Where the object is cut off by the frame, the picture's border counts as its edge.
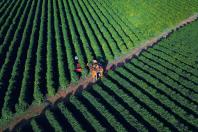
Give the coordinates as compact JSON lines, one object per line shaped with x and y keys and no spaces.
{"x":38,"y":42}
{"x":157,"y":90}
{"x":39,"y":39}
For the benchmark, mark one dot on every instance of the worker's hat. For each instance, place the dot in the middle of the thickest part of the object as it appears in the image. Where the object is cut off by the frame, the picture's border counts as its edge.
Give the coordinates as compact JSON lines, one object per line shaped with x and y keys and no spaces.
{"x":95,"y":61}
{"x":76,"y":58}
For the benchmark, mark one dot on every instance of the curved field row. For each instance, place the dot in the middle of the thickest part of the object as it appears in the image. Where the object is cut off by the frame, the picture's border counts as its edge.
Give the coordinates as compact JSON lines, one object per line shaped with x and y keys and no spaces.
{"x":40,"y":38}
{"x":152,"y":17}
{"x":38,"y":45}
{"x":143,"y":95}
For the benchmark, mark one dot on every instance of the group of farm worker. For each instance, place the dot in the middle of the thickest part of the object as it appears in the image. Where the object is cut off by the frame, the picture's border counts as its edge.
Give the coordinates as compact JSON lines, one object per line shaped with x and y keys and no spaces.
{"x":96,"y":68}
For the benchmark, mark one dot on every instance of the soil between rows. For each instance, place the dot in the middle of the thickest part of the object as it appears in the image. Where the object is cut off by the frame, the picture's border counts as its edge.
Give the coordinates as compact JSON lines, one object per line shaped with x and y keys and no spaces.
{"x":36,"y":110}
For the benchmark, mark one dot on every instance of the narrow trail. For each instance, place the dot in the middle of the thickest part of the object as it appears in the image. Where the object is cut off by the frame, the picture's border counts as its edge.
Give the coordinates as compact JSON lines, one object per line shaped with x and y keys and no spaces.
{"x":33,"y":111}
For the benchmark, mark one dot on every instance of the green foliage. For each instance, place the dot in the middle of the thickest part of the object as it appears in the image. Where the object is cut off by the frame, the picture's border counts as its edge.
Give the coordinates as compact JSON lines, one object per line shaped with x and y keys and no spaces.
{"x":9,"y":101}
{"x":49,"y":74}
{"x":53,"y":122}
{"x":153,"y":86}
{"x":21,"y":107}
{"x":27,"y":71}
{"x":152,"y":17}
{"x":87,"y":115}
{"x":39,"y":40}
{"x":118,"y":107}
{"x":67,"y":114}
{"x":101,"y":108}
{"x":35,"y":126}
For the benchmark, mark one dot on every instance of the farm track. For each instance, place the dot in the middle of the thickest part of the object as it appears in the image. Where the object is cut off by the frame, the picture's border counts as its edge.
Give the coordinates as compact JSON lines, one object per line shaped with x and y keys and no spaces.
{"x":82,"y":84}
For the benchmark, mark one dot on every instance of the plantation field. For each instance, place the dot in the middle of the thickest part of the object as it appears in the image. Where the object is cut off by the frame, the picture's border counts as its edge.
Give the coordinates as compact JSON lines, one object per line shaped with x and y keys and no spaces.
{"x":153,"y":16}
{"x":39,"y":42}
{"x":40,"y":38}
{"x":157,"y":90}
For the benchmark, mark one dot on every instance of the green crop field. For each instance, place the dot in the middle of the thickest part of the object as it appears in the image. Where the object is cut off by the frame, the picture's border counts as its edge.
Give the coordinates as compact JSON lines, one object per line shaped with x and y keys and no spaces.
{"x":40,"y":38}
{"x":157,"y":90}
{"x":153,"y":16}
{"x":39,"y":42}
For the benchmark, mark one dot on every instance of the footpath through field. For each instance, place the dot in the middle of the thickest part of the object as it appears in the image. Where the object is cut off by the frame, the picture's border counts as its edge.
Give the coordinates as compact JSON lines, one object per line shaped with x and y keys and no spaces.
{"x":83,"y":83}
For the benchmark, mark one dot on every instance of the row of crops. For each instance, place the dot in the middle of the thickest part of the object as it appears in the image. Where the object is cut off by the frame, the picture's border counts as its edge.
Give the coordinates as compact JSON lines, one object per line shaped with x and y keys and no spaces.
{"x":157,"y":90}
{"x":154,"y":16}
{"x":40,"y":38}
{"x":38,"y":42}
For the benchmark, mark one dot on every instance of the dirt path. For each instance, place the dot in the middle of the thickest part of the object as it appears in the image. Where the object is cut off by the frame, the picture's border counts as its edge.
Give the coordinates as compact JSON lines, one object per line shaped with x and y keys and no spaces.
{"x":82,"y":84}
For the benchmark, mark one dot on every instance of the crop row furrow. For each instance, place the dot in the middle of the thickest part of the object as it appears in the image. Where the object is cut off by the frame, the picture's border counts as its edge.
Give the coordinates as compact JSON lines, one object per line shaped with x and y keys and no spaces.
{"x":51,"y":55}
{"x":82,"y":34}
{"x":106,"y":49}
{"x":5,"y":73}
{"x":132,"y":31}
{"x":53,"y":122}
{"x":177,"y":57}
{"x":184,"y":102}
{"x":128,"y":120}
{"x":105,"y":112}
{"x":169,"y":71}
{"x":114,"y":20}
{"x":92,"y":40}
{"x":62,"y":66}
{"x":35,"y":126}
{"x":6,"y":39}
{"x":26,"y":92}
{"x":75,"y":37}
{"x":169,"y":82}
{"x":14,"y":86}
{"x":114,"y":49}
{"x":87,"y":115}
{"x":172,"y":64}
{"x":173,"y":76}
{"x":2,"y":2}
{"x":5,"y":11}
{"x":113,"y":36}
{"x":132,"y":101}
{"x":71,"y":119}
{"x":40,"y":89}
{"x":190,"y":120}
